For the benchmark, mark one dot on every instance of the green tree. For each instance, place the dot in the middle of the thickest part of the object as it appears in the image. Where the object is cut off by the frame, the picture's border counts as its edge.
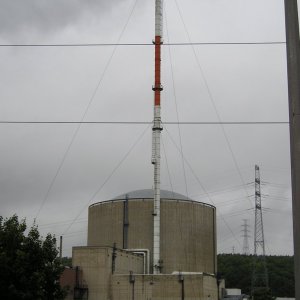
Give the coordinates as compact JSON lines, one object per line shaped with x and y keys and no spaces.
{"x":30,"y":268}
{"x":263,"y":294}
{"x":237,"y":270}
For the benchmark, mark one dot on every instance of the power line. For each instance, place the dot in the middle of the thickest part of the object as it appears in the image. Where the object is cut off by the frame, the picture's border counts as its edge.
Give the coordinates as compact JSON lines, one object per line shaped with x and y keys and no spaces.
{"x":143,"y":44}
{"x":276,"y":185}
{"x":150,"y":122}
{"x":74,"y":233}
{"x":237,"y":213}
{"x":226,"y":190}
{"x":61,"y":223}
{"x":230,"y":202}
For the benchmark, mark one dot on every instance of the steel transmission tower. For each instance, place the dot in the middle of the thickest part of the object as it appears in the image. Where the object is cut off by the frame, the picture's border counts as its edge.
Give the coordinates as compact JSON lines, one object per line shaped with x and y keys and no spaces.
{"x":260,"y":278}
{"x":245,"y":236}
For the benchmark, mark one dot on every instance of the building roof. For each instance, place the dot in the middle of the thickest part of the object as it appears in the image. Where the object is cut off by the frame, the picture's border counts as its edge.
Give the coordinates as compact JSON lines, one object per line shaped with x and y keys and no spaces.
{"x":148,"y":194}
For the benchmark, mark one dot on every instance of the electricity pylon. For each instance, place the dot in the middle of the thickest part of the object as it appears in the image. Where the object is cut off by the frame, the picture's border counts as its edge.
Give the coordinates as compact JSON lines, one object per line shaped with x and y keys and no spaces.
{"x":246,"y":237}
{"x":260,"y":278}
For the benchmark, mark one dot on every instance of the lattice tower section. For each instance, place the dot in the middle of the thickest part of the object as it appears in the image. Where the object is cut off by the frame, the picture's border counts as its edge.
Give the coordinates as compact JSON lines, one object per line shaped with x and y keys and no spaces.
{"x":260,"y":278}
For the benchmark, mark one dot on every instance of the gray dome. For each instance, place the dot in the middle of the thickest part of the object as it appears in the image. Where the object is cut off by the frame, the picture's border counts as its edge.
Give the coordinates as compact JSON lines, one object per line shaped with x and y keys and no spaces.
{"x":148,"y":194}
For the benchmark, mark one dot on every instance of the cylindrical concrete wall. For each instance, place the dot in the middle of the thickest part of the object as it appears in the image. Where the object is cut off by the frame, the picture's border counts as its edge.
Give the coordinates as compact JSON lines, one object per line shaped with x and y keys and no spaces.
{"x":188,"y":230}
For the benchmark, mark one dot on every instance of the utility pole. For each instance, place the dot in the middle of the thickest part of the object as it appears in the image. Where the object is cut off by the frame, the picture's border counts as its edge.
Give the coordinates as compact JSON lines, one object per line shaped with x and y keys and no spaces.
{"x":60,"y":247}
{"x":260,"y":278}
{"x":293,"y":68}
{"x":245,"y":236}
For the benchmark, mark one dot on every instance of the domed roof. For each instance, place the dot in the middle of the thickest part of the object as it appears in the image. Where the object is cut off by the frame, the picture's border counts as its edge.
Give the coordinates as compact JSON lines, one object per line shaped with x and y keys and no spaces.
{"x":149,"y":193}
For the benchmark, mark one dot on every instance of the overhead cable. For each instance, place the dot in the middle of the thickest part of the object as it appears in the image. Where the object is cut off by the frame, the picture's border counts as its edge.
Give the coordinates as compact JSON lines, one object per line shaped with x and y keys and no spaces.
{"x":149,"y":122}
{"x":144,"y":44}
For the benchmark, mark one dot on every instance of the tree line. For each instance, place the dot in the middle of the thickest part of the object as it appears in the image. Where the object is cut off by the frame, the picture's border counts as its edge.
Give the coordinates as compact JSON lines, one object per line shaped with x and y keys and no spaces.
{"x":236,"y":269}
{"x":30,"y":267}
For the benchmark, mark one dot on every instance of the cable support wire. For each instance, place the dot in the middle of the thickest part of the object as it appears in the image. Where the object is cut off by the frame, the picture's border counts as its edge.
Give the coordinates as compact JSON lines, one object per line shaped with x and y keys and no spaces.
{"x":143,"y":44}
{"x":180,"y":139}
{"x":277,"y":185}
{"x":201,"y":185}
{"x":74,"y":233}
{"x":281,"y":200}
{"x":84,"y":114}
{"x":107,"y":179}
{"x":229,"y":202}
{"x":167,"y":165}
{"x":272,"y":210}
{"x":176,"y":107}
{"x":237,"y":213}
{"x":213,"y":102}
{"x":274,"y":196}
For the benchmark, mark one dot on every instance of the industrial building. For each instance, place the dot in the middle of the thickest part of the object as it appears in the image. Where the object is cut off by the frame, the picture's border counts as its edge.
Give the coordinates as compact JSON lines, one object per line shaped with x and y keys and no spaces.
{"x":149,"y":244}
{"x":117,"y":262}
{"x":188,"y":241}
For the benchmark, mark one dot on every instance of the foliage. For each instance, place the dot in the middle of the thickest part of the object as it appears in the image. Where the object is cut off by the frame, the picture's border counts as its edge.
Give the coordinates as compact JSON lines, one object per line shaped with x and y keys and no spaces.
{"x":237,"y":271}
{"x":29,"y":265}
{"x":263,"y":294}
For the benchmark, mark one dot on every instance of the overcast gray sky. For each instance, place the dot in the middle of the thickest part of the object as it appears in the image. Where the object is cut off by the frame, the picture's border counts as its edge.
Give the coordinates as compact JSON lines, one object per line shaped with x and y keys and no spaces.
{"x":212,"y":83}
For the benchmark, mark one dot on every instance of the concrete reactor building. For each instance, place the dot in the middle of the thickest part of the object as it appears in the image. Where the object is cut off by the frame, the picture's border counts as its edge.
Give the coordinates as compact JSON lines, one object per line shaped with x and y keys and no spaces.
{"x":148,"y":244}
{"x":187,"y":229}
{"x":117,"y":262}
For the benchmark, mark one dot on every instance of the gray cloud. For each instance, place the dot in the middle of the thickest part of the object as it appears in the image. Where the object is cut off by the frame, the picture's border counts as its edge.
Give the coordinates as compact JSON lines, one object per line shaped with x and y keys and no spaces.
{"x":44,"y":16}
{"x":248,"y":83}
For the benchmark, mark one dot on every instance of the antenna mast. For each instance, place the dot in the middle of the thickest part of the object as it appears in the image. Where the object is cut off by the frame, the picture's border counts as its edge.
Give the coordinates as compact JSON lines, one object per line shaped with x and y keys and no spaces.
{"x":156,"y":130}
{"x":260,"y":278}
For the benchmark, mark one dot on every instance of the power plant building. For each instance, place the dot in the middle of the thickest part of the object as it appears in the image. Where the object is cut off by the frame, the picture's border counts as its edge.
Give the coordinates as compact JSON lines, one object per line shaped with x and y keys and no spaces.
{"x":149,"y":244}
{"x":117,"y":262}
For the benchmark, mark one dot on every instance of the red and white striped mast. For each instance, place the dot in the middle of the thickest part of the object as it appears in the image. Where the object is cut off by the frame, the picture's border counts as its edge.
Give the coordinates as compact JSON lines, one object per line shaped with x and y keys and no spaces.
{"x":156,"y":130}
